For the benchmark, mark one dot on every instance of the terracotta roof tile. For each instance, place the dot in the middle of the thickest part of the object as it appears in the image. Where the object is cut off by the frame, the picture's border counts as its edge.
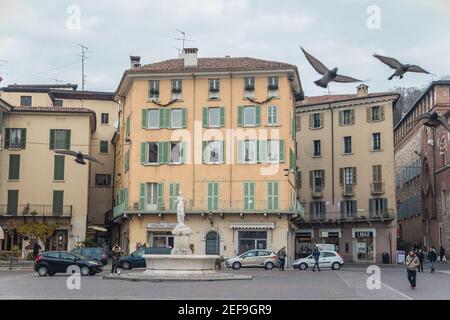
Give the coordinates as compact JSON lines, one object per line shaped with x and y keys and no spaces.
{"x":316,"y":100}
{"x":213,"y":65}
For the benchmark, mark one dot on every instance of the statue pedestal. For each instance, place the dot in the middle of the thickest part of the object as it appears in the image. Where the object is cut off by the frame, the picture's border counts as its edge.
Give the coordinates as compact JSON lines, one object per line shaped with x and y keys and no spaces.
{"x":181,"y":244}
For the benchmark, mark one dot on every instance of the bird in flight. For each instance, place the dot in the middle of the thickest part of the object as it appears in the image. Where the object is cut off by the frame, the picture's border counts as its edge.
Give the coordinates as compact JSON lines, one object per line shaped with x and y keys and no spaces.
{"x":328,"y":75}
{"x":79,"y":157}
{"x":400,"y":69}
{"x":434,"y":120}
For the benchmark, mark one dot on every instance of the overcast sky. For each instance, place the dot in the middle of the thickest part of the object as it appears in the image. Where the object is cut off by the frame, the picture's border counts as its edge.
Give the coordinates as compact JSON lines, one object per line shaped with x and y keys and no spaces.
{"x":38,"y":39}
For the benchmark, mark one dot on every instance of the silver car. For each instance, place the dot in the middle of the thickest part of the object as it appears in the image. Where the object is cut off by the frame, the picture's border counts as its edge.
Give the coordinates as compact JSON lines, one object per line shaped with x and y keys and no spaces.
{"x":261,"y":258}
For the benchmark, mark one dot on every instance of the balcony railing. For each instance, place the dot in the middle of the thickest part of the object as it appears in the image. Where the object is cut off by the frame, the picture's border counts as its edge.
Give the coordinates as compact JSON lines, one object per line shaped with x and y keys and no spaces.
{"x":317,"y":192}
{"x":119,"y":209}
{"x":338,"y":217}
{"x":377,"y":188}
{"x":348,"y":190}
{"x":36,"y":210}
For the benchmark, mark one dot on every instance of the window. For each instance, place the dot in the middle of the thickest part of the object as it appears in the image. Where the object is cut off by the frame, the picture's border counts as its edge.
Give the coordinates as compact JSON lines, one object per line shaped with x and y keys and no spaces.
{"x":349,"y":177}
{"x":249,"y":84}
{"x":175,"y":152}
{"x":160,"y":239}
{"x":212,"y":243}
{"x":104,"y":118}
{"x":250,"y":151}
{"x":154,"y":89}
{"x":15,"y":138}
{"x":272,"y":115}
{"x":58,"y":103}
{"x":14,"y":167}
{"x":156,"y":152}
{"x":126,"y":161}
{"x":251,"y":240}
{"x":127,"y":128}
{"x":317,"y":180}
{"x":214,"y":88}
{"x":176,"y":89}
{"x":214,"y":117}
{"x":376,"y":141}
{"x":347,"y":145}
{"x":212,"y":151}
{"x":316,"y":120}
{"x":317,"y":148}
{"x":249,"y":116}
{"x":346,"y":117}
{"x":25,"y":101}
{"x":58,"y":170}
{"x":348,"y":209}
{"x":13,"y":202}
{"x":176,"y":118}
{"x":272,"y":83}
{"x":213,"y":196}
{"x":375,"y":113}
{"x":153,"y":119}
{"x":102,"y":180}
{"x":376,"y":173}
{"x":249,"y":195}
{"x":59,"y":139}
{"x":378,"y":207}
{"x":152,"y":196}
{"x":152,"y":152}
{"x":272,"y":195}
{"x":174,"y":190}
{"x":104,"y":146}
{"x":317,"y":210}
{"x":58,"y":201}
{"x":273,"y":151}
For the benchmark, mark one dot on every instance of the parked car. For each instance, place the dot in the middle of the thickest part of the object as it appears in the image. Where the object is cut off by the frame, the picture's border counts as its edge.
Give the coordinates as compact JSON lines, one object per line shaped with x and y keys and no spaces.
{"x":51,"y":262}
{"x":93,"y":253}
{"x":327,"y":259}
{"x":254,"y":259}
{"x":135,"y":260}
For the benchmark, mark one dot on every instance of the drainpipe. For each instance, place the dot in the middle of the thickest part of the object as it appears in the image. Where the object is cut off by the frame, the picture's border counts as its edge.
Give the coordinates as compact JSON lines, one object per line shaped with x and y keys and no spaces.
{"x":332,"y":153}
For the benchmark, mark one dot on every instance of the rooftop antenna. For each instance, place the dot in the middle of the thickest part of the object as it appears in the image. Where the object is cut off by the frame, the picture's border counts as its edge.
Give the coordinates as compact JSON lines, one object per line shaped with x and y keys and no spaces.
{"x":83,"y":58}
{"x":183,"y":38}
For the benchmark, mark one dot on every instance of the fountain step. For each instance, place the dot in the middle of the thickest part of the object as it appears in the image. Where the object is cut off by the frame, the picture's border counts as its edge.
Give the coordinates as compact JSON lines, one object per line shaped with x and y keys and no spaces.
{"x":207,"y":276}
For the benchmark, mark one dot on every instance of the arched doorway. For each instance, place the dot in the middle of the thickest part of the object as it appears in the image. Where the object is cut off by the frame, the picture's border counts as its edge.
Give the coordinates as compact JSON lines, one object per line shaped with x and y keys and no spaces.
{"x":212,"y":243}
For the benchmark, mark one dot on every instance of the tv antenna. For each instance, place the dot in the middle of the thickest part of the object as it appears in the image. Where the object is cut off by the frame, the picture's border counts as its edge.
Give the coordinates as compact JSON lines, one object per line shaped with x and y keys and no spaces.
{"x":183,"y":38}
{"x":83,"y":59}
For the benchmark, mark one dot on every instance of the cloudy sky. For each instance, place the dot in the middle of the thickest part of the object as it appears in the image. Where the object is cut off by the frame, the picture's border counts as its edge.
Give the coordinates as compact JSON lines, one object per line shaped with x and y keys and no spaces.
{"x":38,"y":40}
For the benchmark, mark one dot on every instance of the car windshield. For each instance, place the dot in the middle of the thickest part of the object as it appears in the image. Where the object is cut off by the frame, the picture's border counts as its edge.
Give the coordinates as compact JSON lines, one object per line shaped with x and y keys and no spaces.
{"x":79,"y":256}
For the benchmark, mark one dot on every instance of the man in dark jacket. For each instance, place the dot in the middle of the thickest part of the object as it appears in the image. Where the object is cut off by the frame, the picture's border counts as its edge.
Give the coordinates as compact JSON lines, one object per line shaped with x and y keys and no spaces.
{"x":432,"y":257}
{"x":421,"y":257}
{"x":281,"y":254}
{"x":36,"y":248}
{"x":115,"y":253}
{"x":316,"y":256}
{"x":441,"y":253}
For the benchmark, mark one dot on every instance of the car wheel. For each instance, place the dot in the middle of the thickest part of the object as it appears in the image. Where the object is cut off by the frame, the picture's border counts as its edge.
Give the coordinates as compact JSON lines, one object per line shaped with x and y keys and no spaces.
{"x":126,"y":265}
{"x":42,"y":271}
{"x":85,"y":271}
{"x":302,"y":266}
{"x":269,"y":266}
{"x":336,"y":266}
{"x":51,"y":274}
{"x":236,"y":266}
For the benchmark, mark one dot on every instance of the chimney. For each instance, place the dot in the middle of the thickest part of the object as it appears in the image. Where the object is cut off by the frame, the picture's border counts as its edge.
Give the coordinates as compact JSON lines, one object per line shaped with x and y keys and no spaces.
{"x":362,"y":90}
{"x":135,"y":61}
{"x":190,"y":57}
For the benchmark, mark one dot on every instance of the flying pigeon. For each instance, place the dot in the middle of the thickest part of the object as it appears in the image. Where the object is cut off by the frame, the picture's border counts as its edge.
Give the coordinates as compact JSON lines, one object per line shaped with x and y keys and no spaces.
{"x":79,"y":157}
{"x":328,"y":75}
{"x":434,"y":120}
{"x":400,"y":69}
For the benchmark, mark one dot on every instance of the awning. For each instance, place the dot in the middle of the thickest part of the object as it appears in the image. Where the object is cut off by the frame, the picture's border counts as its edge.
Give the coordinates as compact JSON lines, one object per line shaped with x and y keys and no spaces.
{"x":97,"y":228}
{"x":250,"y":225}
{"x":2,"y":234}
{"x":161,"y":226}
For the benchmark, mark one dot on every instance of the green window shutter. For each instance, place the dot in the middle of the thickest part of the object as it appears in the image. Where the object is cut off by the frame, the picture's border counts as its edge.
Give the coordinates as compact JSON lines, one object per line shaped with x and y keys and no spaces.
{"x":1,"y":119}
{"x":293,"y":160}
{"x":222,"y":152}
{"x":205,"y":117}
{"x":258,"y":115}
{"x":270,"y":195}
{"x":240,"y":151}
{"x":213,"y":196}
{"x":275,"y":196}
{"x":222,"y":116}
{"x":281,"y":155}
{"x":68,"y":139}
{"x":246,"y":195}
{"x":7,"y":135}
{"x":240,"y":116}
{"x":126,"y":161}
{"x":183,"y":117}
{"x":341,"y":118}
{"x":142,"y":192}
{"x":160,"y":196}
{"x":144,"y":152}
{"x":144,"y":118}
{"x":183,"y":151}
{"x":24,"y":138}
{"x":252,"y":195}
{"x":14,"y":166}
{"x":210,"y":195}
{"x":104,"y":146}
{"x":166,"y":153}
{"x":58,"y":173}
{"x":58,"y":201}
{"x":13,"y":202}
{"x":52,"y":139}
{"x":204,"y":145}
{"x":127,"y":127}
{"x":162,"y":122}
{"x":160,"y":152}
{"x":216,"y":196}
{"x":262,"y":151}
{"x":166,"y":113}
{"x":171,"y":196}
{"x":352,"y":116}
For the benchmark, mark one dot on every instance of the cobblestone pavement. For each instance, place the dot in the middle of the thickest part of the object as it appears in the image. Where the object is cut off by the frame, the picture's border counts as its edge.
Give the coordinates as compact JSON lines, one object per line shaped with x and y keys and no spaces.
{"x":348,"y":283}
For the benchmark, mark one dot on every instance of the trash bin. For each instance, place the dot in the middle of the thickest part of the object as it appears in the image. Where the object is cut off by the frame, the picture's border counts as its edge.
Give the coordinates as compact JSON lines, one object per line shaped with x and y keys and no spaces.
{"x":385,"y":258}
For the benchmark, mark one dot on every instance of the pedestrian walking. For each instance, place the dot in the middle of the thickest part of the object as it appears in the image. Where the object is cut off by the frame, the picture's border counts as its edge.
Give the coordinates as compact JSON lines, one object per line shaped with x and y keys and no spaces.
{"x":36,"y":248}
{"x":412,"y":263}
{"x":115,"y":253}
{"x":442,"y":254}
{"x":421,"y":257}
{"x":316,"y":256}
{"x":281,"y":254}
{"x":432,"y":257}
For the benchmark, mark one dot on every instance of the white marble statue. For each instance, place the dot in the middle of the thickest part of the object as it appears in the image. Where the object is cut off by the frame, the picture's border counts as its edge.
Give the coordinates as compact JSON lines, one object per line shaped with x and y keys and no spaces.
{"x":180,"y":209}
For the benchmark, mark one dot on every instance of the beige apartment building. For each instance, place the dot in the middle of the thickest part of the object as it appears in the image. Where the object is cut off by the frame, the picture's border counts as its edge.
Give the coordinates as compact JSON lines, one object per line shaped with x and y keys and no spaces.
{"x":37,"y":185}
{"x":222,"y":132}
{"x":345,"y":163}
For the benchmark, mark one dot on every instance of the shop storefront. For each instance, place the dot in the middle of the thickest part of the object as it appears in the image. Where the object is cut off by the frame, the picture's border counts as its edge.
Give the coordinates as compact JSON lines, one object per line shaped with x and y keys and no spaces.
{"x":159,"y":235}
{"x":331,"y":236}
{"x":364,"y":244}
{"x":303,"y":243}
{"x":252,"y":236}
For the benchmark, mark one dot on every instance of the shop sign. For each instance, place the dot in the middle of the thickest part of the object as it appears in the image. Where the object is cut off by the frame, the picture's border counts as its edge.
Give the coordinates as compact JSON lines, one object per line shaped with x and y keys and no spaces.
{"x":400,"y":257}
{"x":364,"y":234}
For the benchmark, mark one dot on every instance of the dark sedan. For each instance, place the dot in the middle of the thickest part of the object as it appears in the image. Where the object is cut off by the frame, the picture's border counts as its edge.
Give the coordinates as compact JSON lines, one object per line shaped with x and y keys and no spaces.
{"x":49,"y":263}
{"x":93,"y":253}
{"x":136,"y":259}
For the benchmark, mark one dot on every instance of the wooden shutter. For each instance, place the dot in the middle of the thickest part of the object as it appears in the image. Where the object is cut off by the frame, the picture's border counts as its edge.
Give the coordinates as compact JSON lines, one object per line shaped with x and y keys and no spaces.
{"x":240,"y":151}
{"x":369,"y":114}
{"x":144,"y":152}
{"x":145,"y":114}
{"x":222,"y":157}
{"x":252,"y":195}
{"x":275,"y":195}
{"x":341,"y":176}
{"x":352,"y":116}
{"x":311,"y":179}
{"x":205,"y":157}
{"x":293,"y":160}
{"x":381,"y":112}
{"x":322,"y":182}
{"x":23,"y":141}
{"x":52,"y":139}
{"x":166,"y":152}
{"x":14,"y":166}
{"x":258,"y":115}
{"x":321,"y":120}
{"x":67,"y":139}
{"x":341,"y":118}
{"x":1,"y":119}
{"x":222,"y":116}
{"x":246,"y":195}
{"x":183,"y":117}
{"x":240,"y":116}
{"x":160,"y":196}
{"x":58,"y":173}
{"x":183,"y":151}
{"x":354,"y":175}
{"x":270,"y":195}
{"x":281,"y":154}
{"x":205,"y":117}
{"x":174,"y":189}
{"x":13,"y":201}
{"x":311,"y":119}
{"x":160,"y":155}
{"x":262,"y":151}
{"x":142,"y":195}
{"x":58,"y":200}
{"x":7,"y":135}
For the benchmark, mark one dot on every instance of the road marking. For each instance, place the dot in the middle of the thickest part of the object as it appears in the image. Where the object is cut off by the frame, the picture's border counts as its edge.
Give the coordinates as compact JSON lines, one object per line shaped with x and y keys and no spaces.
{"x":395,"y":290}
